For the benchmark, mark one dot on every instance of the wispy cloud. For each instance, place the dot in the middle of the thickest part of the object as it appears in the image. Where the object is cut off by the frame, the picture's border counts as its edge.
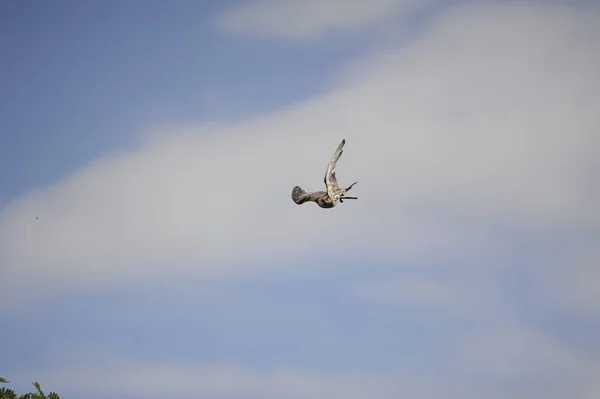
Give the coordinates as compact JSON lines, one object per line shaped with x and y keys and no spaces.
{"x":462,"y":296}
{"x":569,"y":281}
{"x":507,"y":360}
{"x":178,"y":380}
{"x":158,"y":380}
{"x":511,"y":352}
{"x":311,"y":19}
{"x":498,"y":344}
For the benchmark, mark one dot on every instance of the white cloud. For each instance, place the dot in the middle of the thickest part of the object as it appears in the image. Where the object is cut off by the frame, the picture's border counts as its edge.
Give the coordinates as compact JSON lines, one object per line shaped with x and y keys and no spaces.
{"x":445,"y":135}
{"x":310,"y":19}
{"x":592,"y":390}
{"x":180,"y":380}
{"x":495,"y":345}
{"x":463,"y":296}
{"x":528,"y":359}
{"x":176,"y":380}
{"x":570,"y":282}
{"x":493,"y":362}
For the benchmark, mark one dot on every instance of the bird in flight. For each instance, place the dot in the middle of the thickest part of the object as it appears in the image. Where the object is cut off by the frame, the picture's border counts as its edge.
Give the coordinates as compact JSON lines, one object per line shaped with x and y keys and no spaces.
{"x":334,"y":194}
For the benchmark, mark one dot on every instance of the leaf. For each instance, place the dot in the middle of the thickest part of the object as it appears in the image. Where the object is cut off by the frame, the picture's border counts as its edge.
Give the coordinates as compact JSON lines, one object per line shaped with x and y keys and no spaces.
{"x":6,"y":393}
{"x":40,"y":392}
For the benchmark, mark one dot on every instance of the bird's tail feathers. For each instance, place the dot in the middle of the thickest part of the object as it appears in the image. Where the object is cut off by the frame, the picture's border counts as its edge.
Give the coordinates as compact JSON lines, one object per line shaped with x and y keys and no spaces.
{"x":298,"y":195}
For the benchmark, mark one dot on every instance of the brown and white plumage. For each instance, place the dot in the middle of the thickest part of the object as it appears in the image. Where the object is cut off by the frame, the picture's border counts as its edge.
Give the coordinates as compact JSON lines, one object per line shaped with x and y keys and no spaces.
{"x":334,"y":194}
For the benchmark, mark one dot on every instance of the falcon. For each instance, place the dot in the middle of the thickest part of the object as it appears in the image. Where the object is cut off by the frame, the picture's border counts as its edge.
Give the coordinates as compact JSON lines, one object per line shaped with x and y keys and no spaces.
{"x":334,"y":194}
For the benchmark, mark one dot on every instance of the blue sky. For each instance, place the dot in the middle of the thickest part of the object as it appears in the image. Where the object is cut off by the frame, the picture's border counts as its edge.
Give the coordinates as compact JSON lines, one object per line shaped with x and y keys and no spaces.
{"x":157,"y":144}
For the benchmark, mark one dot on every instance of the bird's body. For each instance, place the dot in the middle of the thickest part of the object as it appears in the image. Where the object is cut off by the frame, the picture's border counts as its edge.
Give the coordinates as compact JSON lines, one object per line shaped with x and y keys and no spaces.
{"x":334,"y":194}
{"x":320,"y":197}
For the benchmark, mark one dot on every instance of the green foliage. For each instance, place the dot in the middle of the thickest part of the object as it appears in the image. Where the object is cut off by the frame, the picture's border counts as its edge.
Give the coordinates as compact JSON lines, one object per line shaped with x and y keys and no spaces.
{"x":6,"y":393}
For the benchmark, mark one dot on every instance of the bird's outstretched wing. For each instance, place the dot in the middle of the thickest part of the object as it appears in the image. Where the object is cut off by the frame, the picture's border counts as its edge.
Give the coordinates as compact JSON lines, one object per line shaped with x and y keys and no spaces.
{"x":299,"y":196}
{"x":333,"y":189}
